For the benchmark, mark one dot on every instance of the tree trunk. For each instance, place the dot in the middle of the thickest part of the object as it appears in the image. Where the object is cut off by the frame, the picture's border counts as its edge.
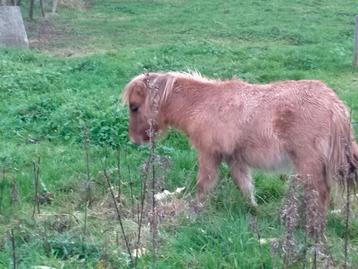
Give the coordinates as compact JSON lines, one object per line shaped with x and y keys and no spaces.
{"x":54,"y":5}
{"x":355,"y":60}
{"x":31,"y":9}
{"x":42,"y":8}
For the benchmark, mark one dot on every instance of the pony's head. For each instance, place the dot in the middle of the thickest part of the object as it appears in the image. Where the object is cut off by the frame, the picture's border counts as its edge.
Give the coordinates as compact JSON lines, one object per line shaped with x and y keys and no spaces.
{"x":144,"y":96}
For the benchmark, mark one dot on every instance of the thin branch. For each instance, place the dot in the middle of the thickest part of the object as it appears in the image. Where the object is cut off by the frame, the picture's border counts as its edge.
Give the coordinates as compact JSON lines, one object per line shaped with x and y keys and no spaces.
{"x":154,"y":209}
{"x":117,"y":211}
{"x":85,"y":221}
{"x":130,"y":180}
{"x":2,"y":184}
{"x":86,"y":150}
{"x":13,"y":246}
{"x":154,"y":103}
{"x":141,"y":209}
{"x":36,"y":166}
{"x":88,"y":200}
{"x":14,"y":193}
{"x":304,"y":212}
{"x":118,"y":162}
{"x":346,"y":235}
{"x":255,"y":229}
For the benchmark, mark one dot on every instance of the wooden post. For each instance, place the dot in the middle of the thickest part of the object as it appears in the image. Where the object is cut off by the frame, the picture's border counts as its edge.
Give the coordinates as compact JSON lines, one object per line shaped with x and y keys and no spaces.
{"x":355,"y":60}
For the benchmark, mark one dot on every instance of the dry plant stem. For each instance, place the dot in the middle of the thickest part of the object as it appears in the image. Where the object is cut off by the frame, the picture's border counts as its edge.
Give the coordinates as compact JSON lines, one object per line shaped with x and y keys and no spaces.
{"x":47,"y":246}
{"x":117,"y":239}
{"x":132,"y":196}
{"x":304,"y":208}
{"x":14,"y":193}
{"x":154,"y":211}
{"x":346,"y":239}
{"x":88,"y":199}
{"x":315,"y":222}
{"x":290,"y":217}
{"x":13,"y":249}
{"x":86,"y":149}
{"x":348,"y":190}
{"x":118,"y":162}
{"x":118,"y":214}
{"x":85,"y":222}
{"x":314,"y":265}
{"x":143,"y":192}
{"x":2,"y":187}
{"x":154,"y":103}
{"x":36,"y":166}
{"x":304,"y":265}
{"x":130,"y":181}
{"x":257,"y":232}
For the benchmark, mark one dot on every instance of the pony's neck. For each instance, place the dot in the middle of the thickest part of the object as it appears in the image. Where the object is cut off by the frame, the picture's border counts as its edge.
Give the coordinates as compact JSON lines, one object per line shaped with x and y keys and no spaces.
{"x":178,"y":109}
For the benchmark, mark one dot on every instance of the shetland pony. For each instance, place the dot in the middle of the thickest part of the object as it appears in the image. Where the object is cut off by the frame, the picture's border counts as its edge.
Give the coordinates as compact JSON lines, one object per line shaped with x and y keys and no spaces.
{"x":301,"y":124}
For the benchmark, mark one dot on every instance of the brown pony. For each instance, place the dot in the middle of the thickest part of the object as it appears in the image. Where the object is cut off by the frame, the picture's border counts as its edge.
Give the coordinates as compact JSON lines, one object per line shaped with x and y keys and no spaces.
{"x":301,"y":124}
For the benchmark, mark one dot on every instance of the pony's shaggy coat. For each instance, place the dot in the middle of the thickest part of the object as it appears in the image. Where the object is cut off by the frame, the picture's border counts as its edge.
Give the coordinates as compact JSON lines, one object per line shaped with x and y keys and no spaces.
{"x":302,"y":124}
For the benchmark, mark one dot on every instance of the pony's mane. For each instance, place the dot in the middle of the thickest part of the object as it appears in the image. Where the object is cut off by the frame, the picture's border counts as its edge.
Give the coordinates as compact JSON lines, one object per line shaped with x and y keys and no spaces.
{"x":129,"y":87}
{"x":171,"y":77}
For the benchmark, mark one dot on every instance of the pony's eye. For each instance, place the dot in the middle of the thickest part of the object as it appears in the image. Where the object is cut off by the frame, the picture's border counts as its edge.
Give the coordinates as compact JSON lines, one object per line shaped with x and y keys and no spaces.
{"x":134,"y":108}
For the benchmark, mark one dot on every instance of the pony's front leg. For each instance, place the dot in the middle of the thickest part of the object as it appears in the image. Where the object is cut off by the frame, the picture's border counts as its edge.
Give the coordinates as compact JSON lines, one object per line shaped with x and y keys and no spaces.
{"x":207,"y":176}
{"x":242,"y":177}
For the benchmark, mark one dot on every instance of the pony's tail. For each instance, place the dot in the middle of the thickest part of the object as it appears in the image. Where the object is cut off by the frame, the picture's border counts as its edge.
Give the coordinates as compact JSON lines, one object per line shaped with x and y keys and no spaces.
{"x":343,"y":157}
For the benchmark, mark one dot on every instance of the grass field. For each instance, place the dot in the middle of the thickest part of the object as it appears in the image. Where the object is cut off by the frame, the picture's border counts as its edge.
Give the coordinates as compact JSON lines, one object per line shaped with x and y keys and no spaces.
{"x":59,"y":103}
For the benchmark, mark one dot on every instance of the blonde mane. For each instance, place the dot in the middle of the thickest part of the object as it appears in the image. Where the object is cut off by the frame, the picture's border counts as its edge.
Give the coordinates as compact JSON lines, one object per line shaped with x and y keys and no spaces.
{"x":171,"y":77}
{"x":129,"y":87}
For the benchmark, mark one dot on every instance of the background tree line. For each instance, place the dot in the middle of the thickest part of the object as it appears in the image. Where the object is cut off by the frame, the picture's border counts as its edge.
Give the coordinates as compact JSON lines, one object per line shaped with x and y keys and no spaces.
{"x":31,"y":6}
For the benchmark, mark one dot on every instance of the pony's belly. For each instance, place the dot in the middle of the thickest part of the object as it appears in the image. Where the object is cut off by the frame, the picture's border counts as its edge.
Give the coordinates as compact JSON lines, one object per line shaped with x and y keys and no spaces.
{"x":274,"y":161}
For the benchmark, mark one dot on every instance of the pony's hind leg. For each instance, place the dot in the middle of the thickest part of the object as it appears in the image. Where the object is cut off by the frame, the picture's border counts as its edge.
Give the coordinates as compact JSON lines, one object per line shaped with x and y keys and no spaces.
{"x":242,"y":177}
{"x":207,"y":176}
{"x":312,"y":173}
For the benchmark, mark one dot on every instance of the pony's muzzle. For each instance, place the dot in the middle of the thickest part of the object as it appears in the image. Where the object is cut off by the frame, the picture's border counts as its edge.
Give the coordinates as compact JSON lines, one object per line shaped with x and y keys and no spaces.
{"x":138,"y":139}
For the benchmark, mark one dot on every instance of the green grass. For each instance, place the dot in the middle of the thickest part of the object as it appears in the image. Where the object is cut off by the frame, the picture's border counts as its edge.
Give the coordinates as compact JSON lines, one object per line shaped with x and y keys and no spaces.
{"x":48,"y":100}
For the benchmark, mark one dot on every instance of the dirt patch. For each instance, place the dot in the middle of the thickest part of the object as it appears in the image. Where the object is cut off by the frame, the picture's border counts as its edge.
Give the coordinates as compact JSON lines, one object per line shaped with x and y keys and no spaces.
{"x":56,"y":38}
{"x":75,"y":4}
{"x":45,"y":34}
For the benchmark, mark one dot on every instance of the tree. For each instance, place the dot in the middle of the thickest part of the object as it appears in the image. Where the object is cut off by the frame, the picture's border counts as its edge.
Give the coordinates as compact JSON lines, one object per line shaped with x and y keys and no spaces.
{"x":54,"y":5}
{"x":31,"y":8}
